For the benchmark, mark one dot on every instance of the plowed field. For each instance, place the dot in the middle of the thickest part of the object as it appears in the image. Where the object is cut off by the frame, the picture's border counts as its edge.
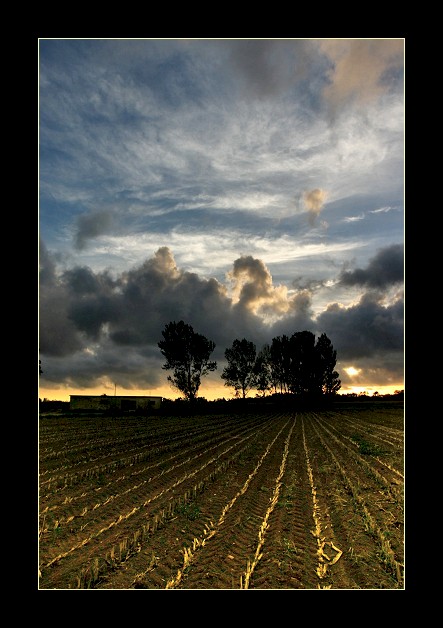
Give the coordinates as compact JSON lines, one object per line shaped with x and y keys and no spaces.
{"x":277,"y":500}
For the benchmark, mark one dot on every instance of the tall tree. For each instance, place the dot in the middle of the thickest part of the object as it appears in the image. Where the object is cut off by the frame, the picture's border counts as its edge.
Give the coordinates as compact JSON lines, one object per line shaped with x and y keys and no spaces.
{"x":239,"y":373}
{"x":187,"y":354}
{"x":328,"y":358}
{"x":263,"y":371}
{"x":280,"y":362}
{"x":305,"y":375}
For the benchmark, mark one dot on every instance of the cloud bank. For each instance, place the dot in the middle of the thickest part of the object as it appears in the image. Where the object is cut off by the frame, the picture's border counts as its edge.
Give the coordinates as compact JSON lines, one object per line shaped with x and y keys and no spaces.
{"x":95,"y":326}
{"x":386,"y":268}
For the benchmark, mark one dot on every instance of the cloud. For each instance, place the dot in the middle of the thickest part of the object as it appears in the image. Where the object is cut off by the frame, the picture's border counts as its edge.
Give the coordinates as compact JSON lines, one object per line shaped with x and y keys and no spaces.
{"x":299,"y":316}
{"x":384,"y":269}
{"x":363,"y":69}
{"x":310,"y":285}
{"x":58,"y":334}
{"x":314,"y":201}
{"x":366,"y":329}
{"x":253,"y":288}
{"x":382,"y":210}
{"x":354,"y":218}
{"x":92,"y":225}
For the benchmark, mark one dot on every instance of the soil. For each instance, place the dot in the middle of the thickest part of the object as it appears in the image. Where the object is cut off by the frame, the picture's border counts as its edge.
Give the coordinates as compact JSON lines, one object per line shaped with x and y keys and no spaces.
{"x":276,"y":500}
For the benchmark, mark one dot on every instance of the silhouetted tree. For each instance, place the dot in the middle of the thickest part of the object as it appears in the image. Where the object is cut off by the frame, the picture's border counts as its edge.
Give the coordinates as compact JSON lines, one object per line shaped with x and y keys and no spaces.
{"x":330,"y":383}
{"x":305,"y":377}
{"x":239,"y":373}
{"x":187,"y":355}
{"x":263,"y":371}
{"x":40,"y":370}
{"x":280,"y":363}
{"x":303,"y":367}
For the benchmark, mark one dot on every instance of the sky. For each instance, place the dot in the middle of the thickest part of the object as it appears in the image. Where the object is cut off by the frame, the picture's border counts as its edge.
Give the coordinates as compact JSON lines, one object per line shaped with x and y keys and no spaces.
{"x":249,"y":187}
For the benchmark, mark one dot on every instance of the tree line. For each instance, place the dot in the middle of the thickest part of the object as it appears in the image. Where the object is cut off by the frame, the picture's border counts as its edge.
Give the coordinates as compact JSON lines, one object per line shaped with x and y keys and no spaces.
{"x":297,"y":364}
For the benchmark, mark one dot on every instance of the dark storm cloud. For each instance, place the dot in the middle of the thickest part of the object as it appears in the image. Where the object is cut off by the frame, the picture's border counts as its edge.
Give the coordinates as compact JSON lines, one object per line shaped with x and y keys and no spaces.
{"x":91,"y":226}
{"x":157,"y":292}
{"x":127,"y":369}
{"x":366,"y":329}
{"x":82,"y":281}
{"x":92,"y":300}
{"x":384,"y":269}
{"x":90,"y":314}
{"x":299,"y":317}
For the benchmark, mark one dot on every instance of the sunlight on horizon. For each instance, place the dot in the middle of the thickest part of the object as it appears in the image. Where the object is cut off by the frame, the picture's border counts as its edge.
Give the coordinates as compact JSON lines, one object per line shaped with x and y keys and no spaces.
{"x":208,"y":392}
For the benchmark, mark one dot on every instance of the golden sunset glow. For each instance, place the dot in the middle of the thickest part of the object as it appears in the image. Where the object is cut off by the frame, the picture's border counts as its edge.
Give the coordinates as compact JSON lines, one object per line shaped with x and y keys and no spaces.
{"x":208,"y":390}
{"x":370,"y":390}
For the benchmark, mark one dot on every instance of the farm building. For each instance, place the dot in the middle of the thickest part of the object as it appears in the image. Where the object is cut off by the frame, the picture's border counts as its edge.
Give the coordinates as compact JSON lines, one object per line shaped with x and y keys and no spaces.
{"x":124,"y":403}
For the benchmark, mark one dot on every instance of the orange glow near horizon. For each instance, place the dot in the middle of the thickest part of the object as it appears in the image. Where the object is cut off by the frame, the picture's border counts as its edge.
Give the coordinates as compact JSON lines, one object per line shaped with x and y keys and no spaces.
{"x":370,"y":390}
{"x":208,"y":391}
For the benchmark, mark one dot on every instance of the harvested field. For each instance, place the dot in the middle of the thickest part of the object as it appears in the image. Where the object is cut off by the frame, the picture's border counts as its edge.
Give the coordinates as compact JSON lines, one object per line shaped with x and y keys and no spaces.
{"x":270,"y":500}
